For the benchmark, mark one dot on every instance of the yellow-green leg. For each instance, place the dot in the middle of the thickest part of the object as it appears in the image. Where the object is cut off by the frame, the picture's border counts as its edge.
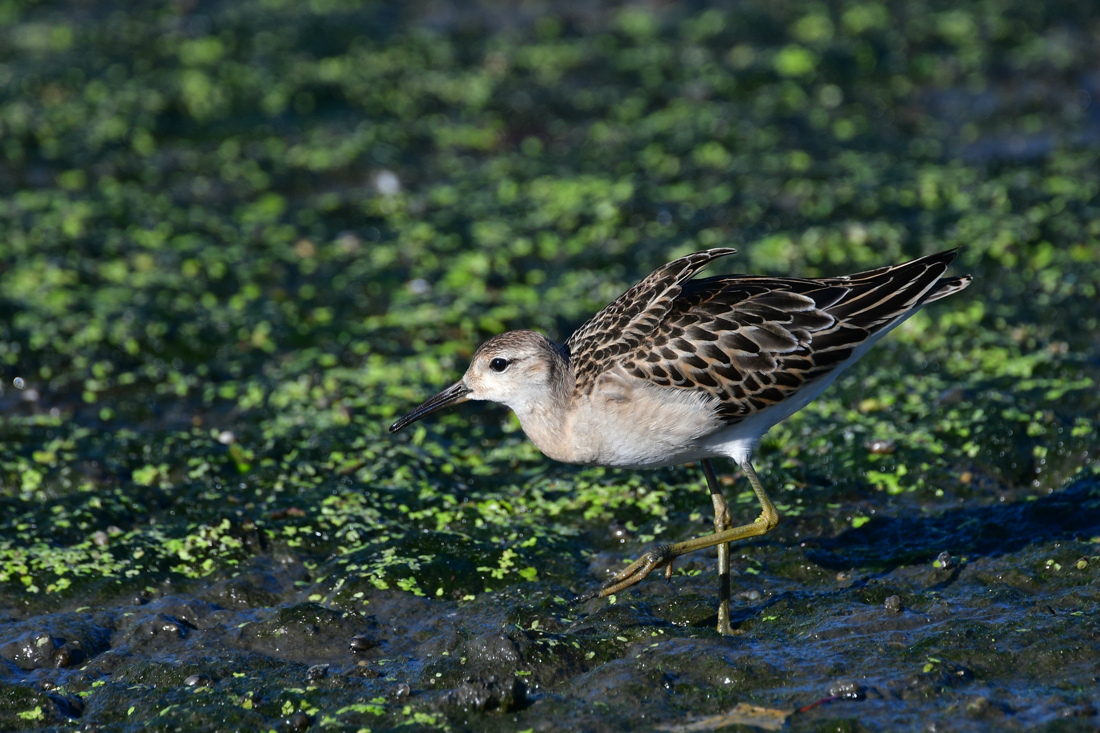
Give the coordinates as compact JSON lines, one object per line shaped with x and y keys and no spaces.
{"x":662,"y":555}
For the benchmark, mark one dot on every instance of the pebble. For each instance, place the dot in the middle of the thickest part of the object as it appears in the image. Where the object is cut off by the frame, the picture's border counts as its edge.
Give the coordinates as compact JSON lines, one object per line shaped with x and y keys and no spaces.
{"x":944,"y":561}
{"x":362,"y":643}
{"x":846,"y":690}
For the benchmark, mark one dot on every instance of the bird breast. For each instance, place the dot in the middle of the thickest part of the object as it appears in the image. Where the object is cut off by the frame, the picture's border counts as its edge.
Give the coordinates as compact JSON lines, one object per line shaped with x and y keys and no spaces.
{"x":625,"y":422}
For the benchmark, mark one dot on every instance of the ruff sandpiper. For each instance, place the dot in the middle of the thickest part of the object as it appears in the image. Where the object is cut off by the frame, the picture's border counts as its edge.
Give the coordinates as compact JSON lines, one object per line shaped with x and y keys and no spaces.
{"x":679,"y":370}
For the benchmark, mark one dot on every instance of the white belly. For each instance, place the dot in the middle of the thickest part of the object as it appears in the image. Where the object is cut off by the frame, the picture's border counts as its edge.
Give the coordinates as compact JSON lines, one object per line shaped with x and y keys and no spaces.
{"x":655,"y":427}
{"x":667,"y":427}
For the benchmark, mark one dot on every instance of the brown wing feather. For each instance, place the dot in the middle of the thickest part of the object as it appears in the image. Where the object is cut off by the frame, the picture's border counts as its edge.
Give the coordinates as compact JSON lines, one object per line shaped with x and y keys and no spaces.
{"x":755,"y":341}
{"x":622,"y":326}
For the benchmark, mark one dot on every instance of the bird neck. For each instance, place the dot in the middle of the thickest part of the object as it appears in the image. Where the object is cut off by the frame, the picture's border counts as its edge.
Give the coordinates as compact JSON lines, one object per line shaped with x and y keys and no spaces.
{"x":545,"y":417}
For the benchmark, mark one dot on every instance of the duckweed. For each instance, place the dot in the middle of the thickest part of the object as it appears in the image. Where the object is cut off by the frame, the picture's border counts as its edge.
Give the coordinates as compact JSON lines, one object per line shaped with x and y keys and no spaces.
{"x":239,"y":239}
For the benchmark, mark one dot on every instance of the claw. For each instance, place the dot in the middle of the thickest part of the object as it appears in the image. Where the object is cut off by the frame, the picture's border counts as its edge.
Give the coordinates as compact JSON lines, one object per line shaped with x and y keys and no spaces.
{"x":583,"y":597}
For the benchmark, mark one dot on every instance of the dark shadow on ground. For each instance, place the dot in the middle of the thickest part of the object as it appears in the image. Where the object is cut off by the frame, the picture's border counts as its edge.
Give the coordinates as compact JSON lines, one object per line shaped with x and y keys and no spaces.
{"x":886,"y":543}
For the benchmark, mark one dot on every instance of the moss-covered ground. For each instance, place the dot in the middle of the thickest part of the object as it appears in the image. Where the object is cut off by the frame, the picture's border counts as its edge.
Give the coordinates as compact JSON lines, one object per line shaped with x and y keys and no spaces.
{"x":237,"y":239}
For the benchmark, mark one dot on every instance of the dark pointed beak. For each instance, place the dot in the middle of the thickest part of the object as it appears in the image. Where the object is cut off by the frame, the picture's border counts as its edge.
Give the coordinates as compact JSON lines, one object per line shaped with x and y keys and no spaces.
{"x":454,"y":394}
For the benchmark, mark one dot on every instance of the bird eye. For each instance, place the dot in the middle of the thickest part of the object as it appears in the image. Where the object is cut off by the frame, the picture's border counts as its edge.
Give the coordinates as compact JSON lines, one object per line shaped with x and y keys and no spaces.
{"x":498,"y":364}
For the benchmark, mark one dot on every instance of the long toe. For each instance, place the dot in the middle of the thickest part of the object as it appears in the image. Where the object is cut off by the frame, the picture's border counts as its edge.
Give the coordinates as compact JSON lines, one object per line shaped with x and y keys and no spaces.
{"x":634,"y":573}
{"x":656,"y":557}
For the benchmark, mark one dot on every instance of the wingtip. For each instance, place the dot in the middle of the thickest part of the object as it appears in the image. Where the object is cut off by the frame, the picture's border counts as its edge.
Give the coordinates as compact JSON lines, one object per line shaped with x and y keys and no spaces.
{"x":949,"y":286}
{"x":961,"y":282}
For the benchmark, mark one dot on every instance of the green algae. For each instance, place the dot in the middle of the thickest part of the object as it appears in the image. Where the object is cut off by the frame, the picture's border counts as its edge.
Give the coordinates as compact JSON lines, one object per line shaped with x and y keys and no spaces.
{"x":239,"y":239}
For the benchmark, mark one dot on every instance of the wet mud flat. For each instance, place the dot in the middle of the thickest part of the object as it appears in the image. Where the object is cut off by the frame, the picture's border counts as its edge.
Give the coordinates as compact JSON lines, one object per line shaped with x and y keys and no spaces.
{"x":877,"y":627}
{"x":238,"y":239}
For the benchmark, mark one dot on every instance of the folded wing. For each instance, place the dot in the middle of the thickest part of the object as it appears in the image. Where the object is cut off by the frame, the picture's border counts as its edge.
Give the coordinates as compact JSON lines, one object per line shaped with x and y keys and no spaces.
{"x":751,"y":342}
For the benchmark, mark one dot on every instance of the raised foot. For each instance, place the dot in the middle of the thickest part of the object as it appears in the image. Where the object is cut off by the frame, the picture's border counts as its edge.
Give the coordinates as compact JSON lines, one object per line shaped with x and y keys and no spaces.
{"x":659,"y":556}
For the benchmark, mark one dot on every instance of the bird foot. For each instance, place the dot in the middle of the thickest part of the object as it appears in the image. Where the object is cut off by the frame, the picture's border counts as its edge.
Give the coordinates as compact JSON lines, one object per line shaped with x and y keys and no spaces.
{"x":656,"y":557}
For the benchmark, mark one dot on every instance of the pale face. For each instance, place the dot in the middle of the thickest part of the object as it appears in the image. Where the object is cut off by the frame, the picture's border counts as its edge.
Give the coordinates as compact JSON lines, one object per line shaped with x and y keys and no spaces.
{"x":508,"y":371}
{"x":512,"y":369}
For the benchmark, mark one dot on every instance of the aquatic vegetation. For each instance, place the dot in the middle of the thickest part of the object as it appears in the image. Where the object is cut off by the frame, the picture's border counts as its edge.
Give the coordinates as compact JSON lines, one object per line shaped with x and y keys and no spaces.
{"x":238,"y":239}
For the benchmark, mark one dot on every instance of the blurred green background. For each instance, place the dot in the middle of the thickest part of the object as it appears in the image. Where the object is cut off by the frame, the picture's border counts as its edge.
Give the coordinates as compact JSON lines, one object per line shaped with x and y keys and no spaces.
{"x":238,"y":238}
